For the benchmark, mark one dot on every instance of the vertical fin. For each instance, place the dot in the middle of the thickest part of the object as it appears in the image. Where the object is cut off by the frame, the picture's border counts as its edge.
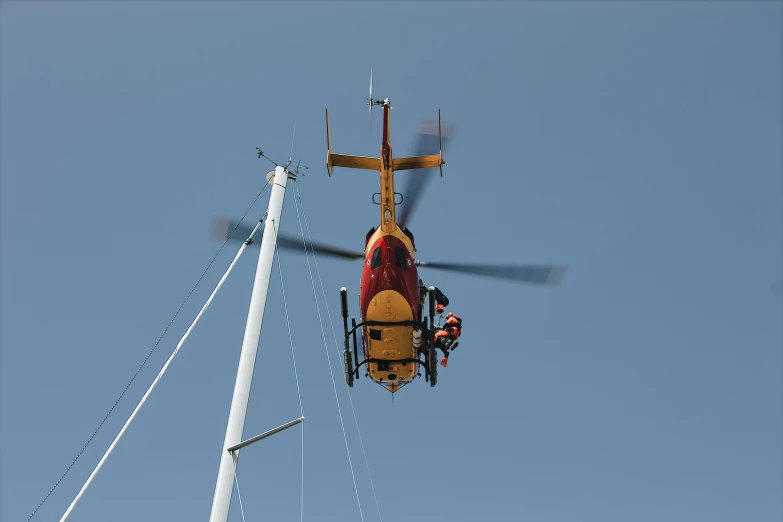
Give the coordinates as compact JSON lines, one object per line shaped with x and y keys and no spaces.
{"x":329,"y":166}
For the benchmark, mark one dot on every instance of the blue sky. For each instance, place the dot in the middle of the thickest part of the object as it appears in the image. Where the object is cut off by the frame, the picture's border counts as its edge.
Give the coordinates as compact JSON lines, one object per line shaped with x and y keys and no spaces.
{"x":639,"y":143}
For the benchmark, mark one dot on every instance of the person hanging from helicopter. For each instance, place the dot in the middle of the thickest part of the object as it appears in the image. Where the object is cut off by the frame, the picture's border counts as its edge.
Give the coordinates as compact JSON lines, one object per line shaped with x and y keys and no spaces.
{"x":446,"y":338}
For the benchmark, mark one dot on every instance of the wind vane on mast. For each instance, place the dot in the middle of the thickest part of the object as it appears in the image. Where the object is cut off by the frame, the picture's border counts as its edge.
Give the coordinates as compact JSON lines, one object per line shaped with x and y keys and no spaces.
{"x":294,"y":172}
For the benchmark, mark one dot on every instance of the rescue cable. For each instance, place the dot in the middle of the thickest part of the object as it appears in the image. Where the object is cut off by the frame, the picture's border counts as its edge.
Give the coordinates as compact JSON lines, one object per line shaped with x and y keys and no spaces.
{"x":298,"y":202}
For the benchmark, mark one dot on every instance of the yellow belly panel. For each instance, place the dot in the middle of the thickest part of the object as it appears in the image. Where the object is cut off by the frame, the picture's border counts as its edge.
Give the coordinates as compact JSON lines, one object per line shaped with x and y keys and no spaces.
{"x":390,"y":342}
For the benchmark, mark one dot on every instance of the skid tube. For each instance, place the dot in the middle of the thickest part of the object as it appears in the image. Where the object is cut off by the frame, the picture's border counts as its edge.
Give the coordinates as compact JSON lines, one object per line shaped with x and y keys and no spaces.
{"x":351,"y":360}
{"x":355,"y":367}
{"x":430,"y":361}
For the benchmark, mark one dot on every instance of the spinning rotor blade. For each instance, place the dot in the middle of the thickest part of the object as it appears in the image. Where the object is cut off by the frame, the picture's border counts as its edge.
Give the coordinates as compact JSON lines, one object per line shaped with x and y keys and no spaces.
{"x":369,"y":102}
{"x":547,"y":275}
{"x":295,"y":243}
{"x":221,"y":227}
{"x":427,"y":141}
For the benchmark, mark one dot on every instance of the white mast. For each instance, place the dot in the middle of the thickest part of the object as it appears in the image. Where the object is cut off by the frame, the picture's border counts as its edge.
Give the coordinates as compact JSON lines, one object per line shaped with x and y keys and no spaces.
{"x":247,"y":360}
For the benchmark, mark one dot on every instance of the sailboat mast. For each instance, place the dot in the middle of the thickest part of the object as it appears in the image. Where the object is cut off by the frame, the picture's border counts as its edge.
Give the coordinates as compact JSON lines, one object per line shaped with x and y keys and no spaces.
{"x":247,"y":359}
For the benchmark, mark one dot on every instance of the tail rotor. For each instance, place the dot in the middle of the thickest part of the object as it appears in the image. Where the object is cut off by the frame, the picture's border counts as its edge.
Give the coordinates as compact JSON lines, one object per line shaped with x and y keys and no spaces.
{"x":369,"y":102}
{"x":440,"y":144}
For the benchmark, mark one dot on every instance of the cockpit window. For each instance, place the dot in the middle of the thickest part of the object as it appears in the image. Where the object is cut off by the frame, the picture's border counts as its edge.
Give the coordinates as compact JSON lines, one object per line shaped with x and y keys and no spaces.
{"x":369,"y":235}
{"x":376,"y":258}
{"x":400,"y":258}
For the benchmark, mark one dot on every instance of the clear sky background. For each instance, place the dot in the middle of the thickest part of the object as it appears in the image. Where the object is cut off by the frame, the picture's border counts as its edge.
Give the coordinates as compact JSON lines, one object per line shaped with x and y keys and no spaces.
{"x":639,"y":143}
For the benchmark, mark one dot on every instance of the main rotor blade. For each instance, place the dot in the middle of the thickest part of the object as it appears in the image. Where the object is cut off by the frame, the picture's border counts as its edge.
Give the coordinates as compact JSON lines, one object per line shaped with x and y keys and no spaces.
{"x":295,"y":243}
{"x":221,"y":227}
{"x":547,"y":275}
{"x":425,"y":142}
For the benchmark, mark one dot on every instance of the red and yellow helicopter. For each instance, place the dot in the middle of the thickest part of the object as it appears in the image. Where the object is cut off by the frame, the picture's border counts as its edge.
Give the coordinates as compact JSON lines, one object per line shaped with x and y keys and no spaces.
{"x":397,"y":337}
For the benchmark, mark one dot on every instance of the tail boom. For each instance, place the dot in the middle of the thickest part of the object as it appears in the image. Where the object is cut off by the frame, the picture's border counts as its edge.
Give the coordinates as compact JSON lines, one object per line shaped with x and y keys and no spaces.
{"x":385,"y":165}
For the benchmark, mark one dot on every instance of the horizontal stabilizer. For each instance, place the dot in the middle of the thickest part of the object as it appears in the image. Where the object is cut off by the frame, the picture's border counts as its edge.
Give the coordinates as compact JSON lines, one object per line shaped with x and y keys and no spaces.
{"x":355,"y":162}
{"x":343,"y":160}
{"x":417,"y":162}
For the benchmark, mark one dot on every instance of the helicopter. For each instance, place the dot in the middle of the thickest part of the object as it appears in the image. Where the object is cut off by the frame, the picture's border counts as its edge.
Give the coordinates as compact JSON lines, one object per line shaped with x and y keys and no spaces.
{"x":395,"y":330}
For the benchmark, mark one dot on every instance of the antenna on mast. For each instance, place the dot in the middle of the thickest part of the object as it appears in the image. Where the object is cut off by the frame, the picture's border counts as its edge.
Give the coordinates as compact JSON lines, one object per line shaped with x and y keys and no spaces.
{"x":290,"y":156}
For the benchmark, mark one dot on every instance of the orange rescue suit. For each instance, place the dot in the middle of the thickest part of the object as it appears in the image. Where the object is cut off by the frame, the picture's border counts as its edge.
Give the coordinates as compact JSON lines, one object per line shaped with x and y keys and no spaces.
{"x":451,"y":330}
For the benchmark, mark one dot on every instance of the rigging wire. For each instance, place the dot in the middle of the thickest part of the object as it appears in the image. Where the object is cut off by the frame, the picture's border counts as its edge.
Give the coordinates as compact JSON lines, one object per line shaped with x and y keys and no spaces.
{"x":296,"y":375}
{"x":236,"y":481}
{"x":144,"y":362}
{"x":160,"y":375}
{"x":337,"y":347}
{"x":328,"y":357}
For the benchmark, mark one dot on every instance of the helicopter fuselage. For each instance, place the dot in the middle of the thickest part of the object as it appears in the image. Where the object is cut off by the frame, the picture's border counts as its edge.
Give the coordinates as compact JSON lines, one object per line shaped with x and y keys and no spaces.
{"x":390,"y":288}
{"x":395,"y":327}
{"x":390,"y":291}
